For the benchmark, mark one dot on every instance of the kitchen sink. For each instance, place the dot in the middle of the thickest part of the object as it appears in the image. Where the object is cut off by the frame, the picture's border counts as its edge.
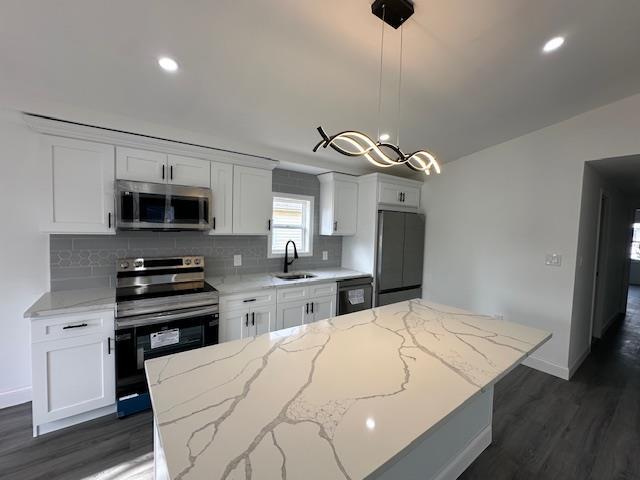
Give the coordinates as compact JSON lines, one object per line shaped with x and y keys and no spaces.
{"x":294,"y":276}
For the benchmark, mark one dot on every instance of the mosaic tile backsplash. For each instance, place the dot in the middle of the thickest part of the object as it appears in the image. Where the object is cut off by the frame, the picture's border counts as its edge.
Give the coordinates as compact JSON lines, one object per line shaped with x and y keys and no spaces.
{"x":88,"y":261}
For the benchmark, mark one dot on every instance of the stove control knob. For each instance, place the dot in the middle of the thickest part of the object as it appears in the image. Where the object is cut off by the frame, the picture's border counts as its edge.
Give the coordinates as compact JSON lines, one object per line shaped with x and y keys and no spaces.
{"x":137,"y":263}
{"x":187,"y":261}
{"x":196,"y":261}
{"x":124,"y":265}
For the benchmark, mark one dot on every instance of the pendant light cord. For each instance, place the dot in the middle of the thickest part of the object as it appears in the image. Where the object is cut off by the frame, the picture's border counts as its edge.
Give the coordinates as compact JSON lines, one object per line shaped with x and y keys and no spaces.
{"x":380,"y":80}
{"x":399,"y":88}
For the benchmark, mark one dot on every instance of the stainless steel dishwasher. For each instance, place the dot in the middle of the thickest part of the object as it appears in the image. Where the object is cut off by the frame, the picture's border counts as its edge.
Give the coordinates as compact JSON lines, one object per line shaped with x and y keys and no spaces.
{"x":354,"y":295}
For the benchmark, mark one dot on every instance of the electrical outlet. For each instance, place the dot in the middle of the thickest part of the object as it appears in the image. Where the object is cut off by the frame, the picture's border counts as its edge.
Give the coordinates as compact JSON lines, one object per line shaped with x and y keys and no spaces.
{"x":553,"y":260}
{"x":237,"y":260}
{"x":325,"y":255}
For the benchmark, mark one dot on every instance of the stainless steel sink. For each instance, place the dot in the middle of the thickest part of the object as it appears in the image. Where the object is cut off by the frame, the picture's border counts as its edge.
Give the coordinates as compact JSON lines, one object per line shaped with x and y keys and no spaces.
{"x":294,"y":276}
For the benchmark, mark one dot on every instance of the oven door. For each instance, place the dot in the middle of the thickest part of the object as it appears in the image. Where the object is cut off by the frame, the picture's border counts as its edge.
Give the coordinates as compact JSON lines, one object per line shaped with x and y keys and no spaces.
{"x":138,"y":340}
{"x":158,"y":206}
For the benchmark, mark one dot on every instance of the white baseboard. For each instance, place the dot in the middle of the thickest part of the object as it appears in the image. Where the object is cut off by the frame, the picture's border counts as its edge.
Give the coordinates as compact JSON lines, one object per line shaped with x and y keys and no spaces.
{"x":467,"y":456}
{"x":574,"y":367}
{"x":15,"y":397}
{"x":547,"y":367}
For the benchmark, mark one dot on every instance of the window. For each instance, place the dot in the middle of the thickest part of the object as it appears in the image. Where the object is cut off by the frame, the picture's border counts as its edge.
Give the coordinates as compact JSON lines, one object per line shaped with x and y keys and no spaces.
{"x":635,"y":242}
{"x":292,"y":219}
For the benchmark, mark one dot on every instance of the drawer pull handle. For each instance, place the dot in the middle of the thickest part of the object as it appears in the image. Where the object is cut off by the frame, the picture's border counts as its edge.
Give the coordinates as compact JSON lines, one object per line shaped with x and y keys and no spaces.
{"x":249,"y":300}
{"x":75,"y":326}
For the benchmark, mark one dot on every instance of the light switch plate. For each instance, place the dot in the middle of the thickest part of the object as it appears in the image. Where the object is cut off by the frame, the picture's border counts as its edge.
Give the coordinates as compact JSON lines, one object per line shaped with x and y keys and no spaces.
{"x":325,"y":255}
{"x":553,"y":260}
{"x":237,"y":260}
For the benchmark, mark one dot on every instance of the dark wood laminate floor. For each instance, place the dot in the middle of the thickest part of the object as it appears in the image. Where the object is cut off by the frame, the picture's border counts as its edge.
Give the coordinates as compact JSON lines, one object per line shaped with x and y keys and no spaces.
{"x":544,"y":427}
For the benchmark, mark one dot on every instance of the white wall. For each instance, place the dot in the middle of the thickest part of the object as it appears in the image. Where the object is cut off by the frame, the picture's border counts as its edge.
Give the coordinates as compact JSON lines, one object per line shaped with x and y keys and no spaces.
{"x":23,"y":254}
{"x":493,"y":215}
{"x":612,"y":284}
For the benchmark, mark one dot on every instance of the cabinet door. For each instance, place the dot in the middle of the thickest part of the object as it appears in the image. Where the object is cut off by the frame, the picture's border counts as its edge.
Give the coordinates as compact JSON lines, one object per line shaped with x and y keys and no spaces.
{"x":234,"y":325}
{"x":72,"y":376}
{"x":81,"y":179}
{"x":263,"y":320}
{"x":192,"y":172}
{"x":389,"y":193}
{"x":323,"y":307}
{"x":252,"y":202}
{"x":141,"y":165}
{"x":345,"y":207}
{"x":411,"y":197}
{"x":292,"y":314}
{"x":222,"y":190}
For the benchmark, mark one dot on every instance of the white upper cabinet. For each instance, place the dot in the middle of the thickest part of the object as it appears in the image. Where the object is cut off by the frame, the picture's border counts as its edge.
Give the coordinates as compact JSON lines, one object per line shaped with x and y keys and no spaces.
{"x":222,"y":191}
{"x":141,"y":165}
{"x":81,"y":179}
{"x":192,"y":172}
{"x":252,"y":202}
{"x":338,"y":204}
{"x":391,"y":193}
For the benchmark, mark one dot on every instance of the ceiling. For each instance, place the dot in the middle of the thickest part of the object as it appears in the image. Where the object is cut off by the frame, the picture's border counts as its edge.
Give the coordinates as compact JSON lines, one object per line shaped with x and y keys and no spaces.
{"x":272,"y":71}
{"x":623,"y":172}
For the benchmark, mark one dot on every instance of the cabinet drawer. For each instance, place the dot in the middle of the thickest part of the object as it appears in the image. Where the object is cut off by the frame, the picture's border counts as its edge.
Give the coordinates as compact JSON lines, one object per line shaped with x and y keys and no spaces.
{"x":69,"y":326}
{"x":248,"y":300}
{"x":322,"y":289}
{"x":291,"y":294}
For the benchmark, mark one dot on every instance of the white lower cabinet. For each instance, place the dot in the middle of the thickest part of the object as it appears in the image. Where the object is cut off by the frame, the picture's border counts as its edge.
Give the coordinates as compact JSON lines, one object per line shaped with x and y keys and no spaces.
{"x":73,"y":368}
{"x":323,"y":307}
{"x":310,"y":306}
{"x":247,"y":322}
{"x":292,"y":314}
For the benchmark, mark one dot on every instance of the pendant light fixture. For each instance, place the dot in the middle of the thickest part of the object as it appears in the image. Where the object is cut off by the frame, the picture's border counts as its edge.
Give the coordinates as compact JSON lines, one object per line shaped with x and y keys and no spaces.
{"x":381,"y":153}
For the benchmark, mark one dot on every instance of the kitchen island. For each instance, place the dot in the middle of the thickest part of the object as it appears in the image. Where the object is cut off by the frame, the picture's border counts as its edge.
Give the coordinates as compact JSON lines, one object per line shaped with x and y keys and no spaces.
{"x":400,"y":391}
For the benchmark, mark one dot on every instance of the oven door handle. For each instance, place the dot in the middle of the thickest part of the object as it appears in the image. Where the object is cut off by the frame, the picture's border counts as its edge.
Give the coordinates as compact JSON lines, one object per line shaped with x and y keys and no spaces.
{"x":165,"y":317}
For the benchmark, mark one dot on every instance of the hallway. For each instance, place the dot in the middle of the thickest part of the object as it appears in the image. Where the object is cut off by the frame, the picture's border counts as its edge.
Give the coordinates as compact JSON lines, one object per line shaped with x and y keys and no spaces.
{"x":588,"y":428}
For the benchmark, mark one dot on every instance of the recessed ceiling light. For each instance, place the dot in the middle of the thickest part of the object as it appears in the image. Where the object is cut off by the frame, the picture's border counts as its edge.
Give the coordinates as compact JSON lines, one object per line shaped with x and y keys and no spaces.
{"x":384,"y":137}
{"x":168,"y":64}
{"x":553,"y":44}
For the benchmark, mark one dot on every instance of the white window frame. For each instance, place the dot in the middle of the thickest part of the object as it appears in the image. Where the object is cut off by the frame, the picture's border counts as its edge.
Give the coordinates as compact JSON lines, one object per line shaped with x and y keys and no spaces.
{"x":311,"y":200}
{"x":635,"y":226}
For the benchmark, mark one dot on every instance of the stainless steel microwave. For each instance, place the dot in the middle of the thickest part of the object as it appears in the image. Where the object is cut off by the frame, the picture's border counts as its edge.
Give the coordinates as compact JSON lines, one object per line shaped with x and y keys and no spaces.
{"x":159,"y":206}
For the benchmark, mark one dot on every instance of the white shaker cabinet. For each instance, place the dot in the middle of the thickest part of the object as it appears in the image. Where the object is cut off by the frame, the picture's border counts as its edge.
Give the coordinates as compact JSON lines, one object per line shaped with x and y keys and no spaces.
{"x":192,"y":172}
{"x":323,"y":307}
{"x":338,"y":204}
{"x":398,"y":194}
{"x":80,"y":186}
{"x":222,"y":192}
{"x":73,"y":368}
{"x":141,"y":165}
{"x":246,"y":322}
{"x":292,"y":314}
{"x":252,"y":202}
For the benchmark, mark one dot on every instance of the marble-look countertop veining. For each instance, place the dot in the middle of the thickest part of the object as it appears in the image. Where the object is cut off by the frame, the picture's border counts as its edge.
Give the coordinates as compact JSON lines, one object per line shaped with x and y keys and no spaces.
{"x":337,"y":398}
{"x":244,"y":283}
{"x":72,"y":301}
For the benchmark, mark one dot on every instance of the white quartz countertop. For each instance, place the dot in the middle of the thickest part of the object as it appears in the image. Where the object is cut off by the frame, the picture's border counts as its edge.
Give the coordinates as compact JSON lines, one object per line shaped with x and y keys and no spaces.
{"x":72,"y":301}
{"x":333,"y":399}
{"x":244,"y":283}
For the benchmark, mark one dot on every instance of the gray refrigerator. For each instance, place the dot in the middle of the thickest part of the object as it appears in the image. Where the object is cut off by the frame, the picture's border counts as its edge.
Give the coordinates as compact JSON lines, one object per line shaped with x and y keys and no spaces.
{"x":399,"y":257}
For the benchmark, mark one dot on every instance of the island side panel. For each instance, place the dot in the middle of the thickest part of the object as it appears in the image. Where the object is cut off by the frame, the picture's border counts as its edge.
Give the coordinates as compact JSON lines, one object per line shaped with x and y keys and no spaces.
{"x":446,"y":452}
{"x":160,"y":471}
